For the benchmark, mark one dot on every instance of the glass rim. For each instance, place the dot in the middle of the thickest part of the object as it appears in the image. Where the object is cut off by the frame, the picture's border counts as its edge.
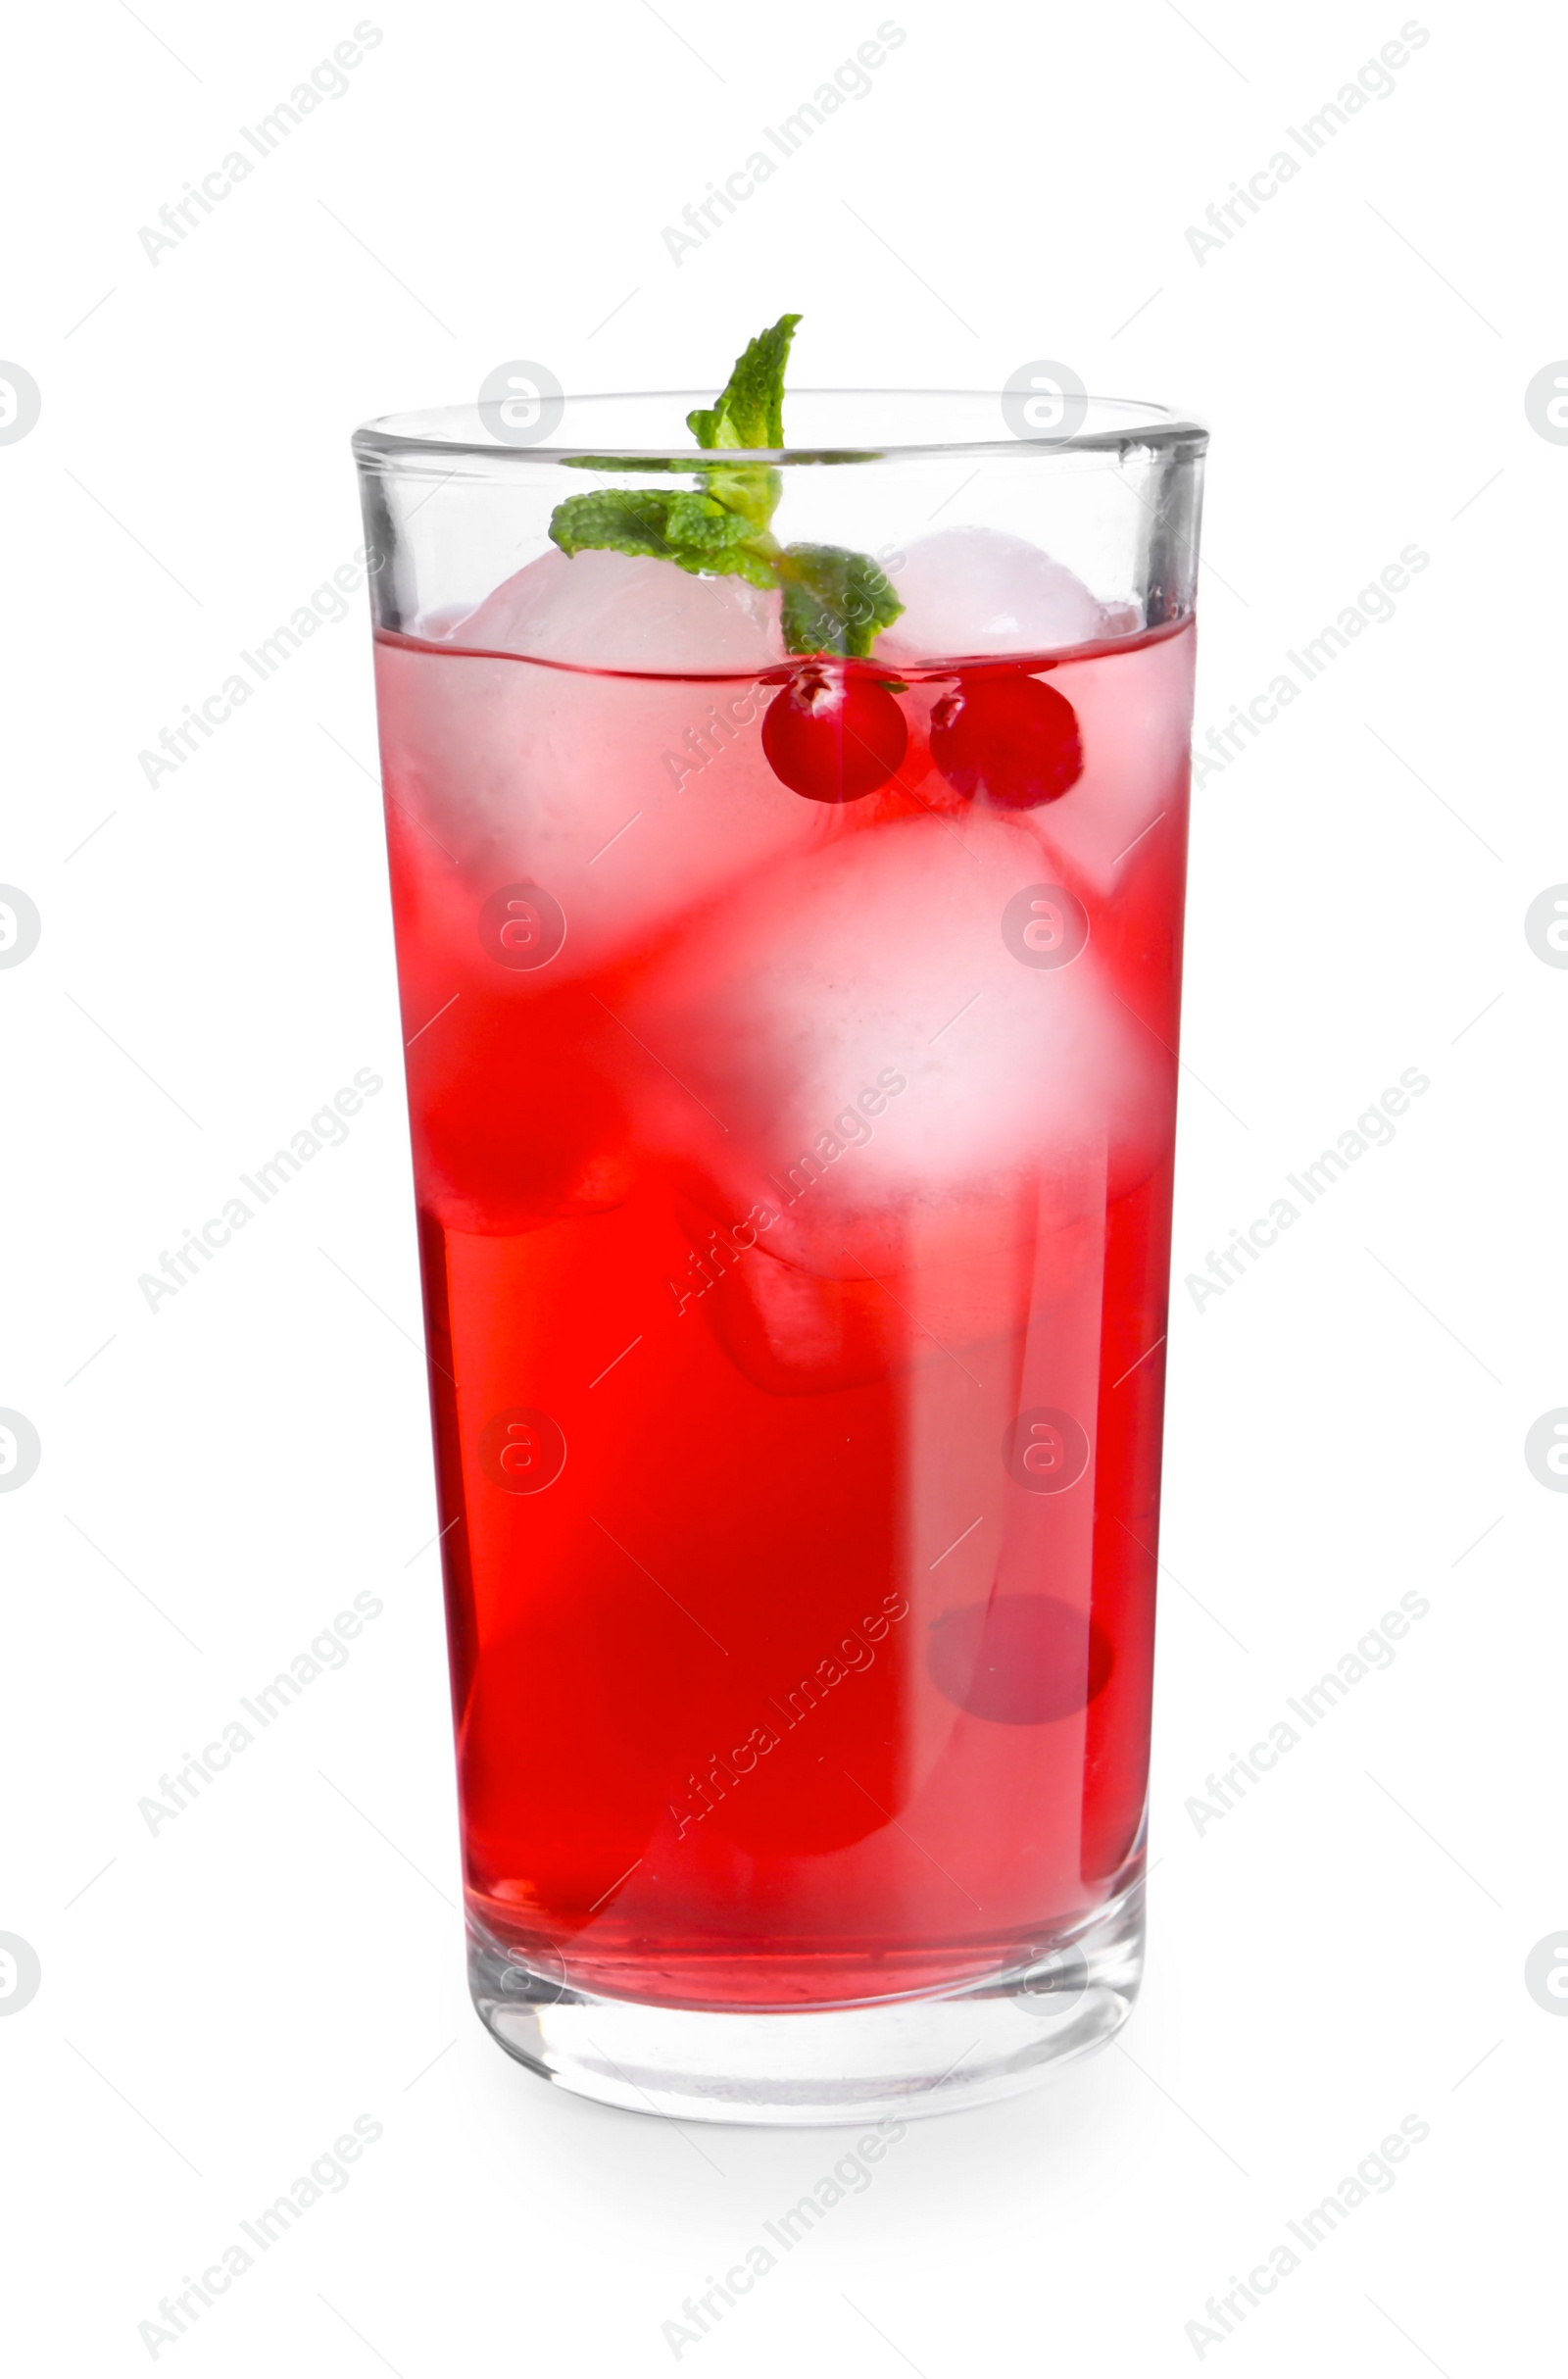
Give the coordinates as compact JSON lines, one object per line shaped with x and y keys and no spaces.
{"x":453,"y":432}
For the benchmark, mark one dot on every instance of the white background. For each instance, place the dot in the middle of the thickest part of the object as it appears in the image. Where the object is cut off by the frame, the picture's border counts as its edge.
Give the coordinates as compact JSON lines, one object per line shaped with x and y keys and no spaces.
{"x":1345,"y":1948}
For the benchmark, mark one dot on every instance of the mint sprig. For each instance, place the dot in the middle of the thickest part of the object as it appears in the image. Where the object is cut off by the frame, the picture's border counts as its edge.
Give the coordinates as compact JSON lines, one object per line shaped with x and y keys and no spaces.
{"x":694,"y":532}
{"x":750,"y":411}
{"x":834,"y":601}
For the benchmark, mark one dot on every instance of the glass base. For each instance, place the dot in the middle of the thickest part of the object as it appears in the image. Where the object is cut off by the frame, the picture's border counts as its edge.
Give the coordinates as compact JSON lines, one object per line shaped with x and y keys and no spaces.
{"x":846,"y":2064}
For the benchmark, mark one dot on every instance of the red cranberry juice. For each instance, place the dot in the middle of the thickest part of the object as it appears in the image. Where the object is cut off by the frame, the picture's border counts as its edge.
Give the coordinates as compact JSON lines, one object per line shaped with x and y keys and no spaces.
{"x":793,"y":1167}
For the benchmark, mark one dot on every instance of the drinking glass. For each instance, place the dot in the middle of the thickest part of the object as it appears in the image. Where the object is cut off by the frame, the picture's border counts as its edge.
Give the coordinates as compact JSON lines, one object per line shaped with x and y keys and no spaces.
{"x":792,"y":1110}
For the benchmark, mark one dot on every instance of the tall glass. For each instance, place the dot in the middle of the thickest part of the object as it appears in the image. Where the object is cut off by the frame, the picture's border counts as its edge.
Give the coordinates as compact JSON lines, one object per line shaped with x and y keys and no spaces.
{"x":793,"y":1145}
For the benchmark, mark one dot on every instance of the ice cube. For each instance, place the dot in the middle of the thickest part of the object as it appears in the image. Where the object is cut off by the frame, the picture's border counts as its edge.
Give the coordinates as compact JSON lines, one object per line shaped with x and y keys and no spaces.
{"x":611,"y":611}
{"x":889,"y":1073}
{"x":982,"y":590}
{"x":900,"y":1135}
{"x":629,"y":796}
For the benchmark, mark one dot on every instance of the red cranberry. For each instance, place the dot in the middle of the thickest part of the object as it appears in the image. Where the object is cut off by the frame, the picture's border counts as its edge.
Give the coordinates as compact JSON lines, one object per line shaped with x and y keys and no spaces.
{"x":834,"y":734}
{"x":1019,"y":1660}
{"x":1007,"y":737}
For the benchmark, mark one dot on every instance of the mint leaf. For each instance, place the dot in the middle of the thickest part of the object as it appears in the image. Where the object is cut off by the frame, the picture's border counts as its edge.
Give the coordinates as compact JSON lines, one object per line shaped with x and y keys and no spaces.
{"x":619,"y":462}
{"x":750,"y":410}
{"x":752,"y":489}
{"x":693,"y":531}
{"x":706,"y":534}
{"x":627,"y":519}
{"x":834,"y":601}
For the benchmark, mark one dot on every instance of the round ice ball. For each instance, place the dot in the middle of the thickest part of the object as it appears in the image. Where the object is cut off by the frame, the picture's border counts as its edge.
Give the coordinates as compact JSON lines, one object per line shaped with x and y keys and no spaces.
{"x":982,"y":590}
{"x":609,"y":610}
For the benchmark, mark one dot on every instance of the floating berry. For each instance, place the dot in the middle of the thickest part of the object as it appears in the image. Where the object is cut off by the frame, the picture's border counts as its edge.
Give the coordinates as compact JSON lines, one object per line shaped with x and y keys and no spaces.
{"x":834,"y":734}
{"x":1007,"y":737}
{"x":1020,"y":1660}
